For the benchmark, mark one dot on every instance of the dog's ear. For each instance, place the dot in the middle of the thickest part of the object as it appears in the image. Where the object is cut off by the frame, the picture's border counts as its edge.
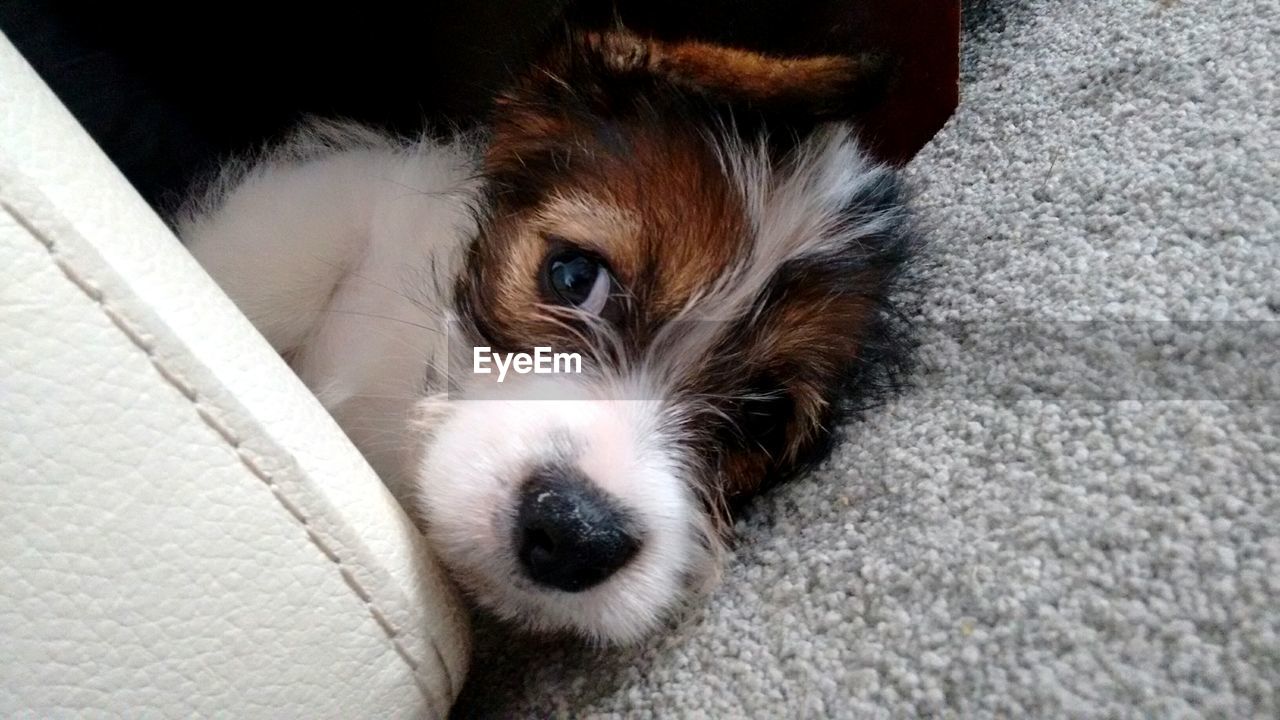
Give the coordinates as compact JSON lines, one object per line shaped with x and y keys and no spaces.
{"x":585,"y":80}
{"x":819,"y":86}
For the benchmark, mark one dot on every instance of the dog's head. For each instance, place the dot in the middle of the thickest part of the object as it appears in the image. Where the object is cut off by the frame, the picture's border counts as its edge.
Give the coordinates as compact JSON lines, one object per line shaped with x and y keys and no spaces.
{"x":696,"y":224}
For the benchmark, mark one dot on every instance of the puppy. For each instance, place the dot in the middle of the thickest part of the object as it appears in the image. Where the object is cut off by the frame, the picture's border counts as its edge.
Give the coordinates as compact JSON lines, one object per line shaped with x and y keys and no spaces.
{"x":695,"y":224}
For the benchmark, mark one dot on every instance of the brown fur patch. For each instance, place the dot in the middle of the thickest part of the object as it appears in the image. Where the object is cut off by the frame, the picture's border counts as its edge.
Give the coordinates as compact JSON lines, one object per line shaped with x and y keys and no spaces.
{"x":636,"y":183}
{"x":802,"y":344}
{"x":816,"y":85}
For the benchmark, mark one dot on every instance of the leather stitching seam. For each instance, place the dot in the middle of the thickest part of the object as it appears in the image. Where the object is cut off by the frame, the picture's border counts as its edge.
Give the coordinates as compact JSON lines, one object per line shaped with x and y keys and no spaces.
{"x":188,"y":391}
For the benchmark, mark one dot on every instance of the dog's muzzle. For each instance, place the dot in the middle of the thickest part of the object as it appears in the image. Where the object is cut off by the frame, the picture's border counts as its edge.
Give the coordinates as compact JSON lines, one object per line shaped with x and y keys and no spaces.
{"x":569,"y":534}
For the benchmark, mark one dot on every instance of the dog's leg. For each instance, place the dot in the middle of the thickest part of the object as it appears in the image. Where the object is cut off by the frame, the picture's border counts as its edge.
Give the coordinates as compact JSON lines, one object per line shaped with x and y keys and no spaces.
{"x":280,"y":241}
{"x":345,"y":262}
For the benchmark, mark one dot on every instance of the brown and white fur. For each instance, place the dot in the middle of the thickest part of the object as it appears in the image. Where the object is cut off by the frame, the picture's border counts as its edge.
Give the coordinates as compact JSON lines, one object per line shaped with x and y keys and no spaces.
{"x":752,"y":254}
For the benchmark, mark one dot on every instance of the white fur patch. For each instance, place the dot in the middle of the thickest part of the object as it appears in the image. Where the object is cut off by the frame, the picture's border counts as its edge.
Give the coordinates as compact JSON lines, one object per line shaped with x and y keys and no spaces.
{"x":342,"y":247}
{"x":489,"y":444}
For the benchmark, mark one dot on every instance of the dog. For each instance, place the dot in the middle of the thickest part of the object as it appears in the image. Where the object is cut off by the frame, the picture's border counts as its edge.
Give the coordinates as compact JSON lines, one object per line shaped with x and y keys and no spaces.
{"x":696,"y":224}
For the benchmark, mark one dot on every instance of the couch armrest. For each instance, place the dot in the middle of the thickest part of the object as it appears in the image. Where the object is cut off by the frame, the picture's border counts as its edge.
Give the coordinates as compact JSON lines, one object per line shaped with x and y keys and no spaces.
{"x":185,"y":530}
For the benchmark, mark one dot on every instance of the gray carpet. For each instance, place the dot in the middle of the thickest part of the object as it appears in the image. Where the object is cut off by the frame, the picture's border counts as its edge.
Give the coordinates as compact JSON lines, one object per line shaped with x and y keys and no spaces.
{"x":1064,"y":518}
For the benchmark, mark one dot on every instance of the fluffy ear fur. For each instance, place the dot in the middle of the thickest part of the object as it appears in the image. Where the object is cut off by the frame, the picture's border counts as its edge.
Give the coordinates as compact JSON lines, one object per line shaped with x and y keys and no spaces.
{"x":598,"y":64}
{"x":588,"y":82}
{"x":820,"y":87}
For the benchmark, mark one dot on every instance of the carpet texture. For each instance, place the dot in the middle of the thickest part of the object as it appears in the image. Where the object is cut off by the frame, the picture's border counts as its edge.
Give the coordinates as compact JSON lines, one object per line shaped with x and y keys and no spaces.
{"x":1076,"y":512}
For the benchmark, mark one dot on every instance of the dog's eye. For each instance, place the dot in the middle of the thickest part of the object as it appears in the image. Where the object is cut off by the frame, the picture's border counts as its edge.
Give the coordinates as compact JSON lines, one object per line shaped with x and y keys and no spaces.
{"x":578,"y":279}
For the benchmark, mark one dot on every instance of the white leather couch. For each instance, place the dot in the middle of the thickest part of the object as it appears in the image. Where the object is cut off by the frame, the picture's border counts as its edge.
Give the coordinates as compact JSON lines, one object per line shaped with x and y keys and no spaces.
{"x":184,"y":532}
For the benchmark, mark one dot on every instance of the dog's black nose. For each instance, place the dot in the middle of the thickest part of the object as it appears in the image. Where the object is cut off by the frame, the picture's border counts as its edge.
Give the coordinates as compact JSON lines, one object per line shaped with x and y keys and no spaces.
{"x":570,"y":535}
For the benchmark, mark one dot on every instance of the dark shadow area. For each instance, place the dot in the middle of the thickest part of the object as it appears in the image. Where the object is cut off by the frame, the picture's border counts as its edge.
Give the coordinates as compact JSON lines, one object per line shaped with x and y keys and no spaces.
{"x":169,"y":90}
{"x":980,"y":19}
